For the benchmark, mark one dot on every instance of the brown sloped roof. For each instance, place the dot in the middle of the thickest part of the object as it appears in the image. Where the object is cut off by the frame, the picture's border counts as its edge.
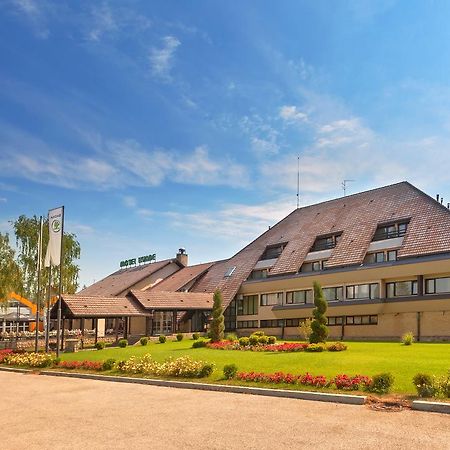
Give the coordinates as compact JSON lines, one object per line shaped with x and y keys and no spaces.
{"x":95,"y":306}
{"x":356,"y":217}
{"x":181,"y":301}
{"x":181,"y":278}
{"x":124,"y":279}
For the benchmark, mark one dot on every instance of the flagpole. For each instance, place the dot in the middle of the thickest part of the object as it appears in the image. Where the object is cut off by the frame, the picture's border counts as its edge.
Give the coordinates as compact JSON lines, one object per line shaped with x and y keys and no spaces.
{"x":47,"y":327}
{"x":58,"y":326}
{"x":38,"y":297}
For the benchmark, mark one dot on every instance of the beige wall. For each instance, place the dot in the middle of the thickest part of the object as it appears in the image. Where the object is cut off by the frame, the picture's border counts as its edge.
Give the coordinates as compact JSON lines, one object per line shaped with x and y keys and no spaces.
{"x":394,"y":317}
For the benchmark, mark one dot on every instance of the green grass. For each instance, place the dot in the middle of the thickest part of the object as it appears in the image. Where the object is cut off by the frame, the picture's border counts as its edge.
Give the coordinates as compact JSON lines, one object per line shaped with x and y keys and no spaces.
{"x":364,"y":358}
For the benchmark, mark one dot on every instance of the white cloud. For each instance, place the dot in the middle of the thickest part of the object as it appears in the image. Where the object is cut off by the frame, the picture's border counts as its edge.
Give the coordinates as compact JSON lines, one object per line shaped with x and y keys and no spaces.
{"x":263,"y":136}
{"x":234,"y":221}
{"x":35,"y":12}
{"x":129,"y":201}
{"x":114,"y":163}
{"x":264,"y":146}
{"x":104,"y":21}
{"x":3,"y":200}
{"x":161,"y":59}
{"x":291,"y":114}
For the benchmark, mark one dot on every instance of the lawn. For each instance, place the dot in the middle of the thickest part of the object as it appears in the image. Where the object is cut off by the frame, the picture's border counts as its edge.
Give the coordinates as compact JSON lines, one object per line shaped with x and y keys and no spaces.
{"x":364,"y":358}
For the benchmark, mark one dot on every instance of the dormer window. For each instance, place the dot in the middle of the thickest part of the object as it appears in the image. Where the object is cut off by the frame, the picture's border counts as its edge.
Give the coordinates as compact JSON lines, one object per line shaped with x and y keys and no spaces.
{"x":273,"y":251}
{"x":313,"y":266}
{"x":390,"y":231}
{"x":325,"y":242}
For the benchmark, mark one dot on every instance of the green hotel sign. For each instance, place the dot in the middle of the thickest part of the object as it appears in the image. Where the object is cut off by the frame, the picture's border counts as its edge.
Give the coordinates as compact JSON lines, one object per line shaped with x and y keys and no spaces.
{"x":140,"y":260}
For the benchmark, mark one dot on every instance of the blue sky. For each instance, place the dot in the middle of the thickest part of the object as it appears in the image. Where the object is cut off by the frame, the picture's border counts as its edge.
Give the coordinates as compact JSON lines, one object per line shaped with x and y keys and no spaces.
{"x":165,"y":124}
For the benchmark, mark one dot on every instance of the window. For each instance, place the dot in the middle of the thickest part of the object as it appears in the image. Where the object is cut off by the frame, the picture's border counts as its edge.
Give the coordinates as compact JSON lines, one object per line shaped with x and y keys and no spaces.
{"x":272,"y":299}
{"x":273,"y":251}
{"x":401,"y":288}
{"x":325,"y":242}
{"x":258,"y":274}
{"x":333,"y":294}
{"x":248,"y":305}
{"x":230,"y":316}
{"x":299,"y":297}
{"x":277,"y":323}
{"x":361,"y":320}
{"x":247,"y":324}
{"x":292,"y":322}
{"x":314,"y":266}
{"x":379,"y":257}
{"x":437,"y":285}
{"x":390,"y":231}
{"x":360,"y":291}
{"x":230,"y":271}
{"x":332,"y":321}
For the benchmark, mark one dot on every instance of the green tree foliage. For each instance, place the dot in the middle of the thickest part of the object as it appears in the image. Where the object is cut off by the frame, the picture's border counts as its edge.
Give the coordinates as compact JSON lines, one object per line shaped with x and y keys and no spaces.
{"x":10,"y":276}
{"x":26,"y":230}
{"x":319,"y":324}
{"x":218,"y":321}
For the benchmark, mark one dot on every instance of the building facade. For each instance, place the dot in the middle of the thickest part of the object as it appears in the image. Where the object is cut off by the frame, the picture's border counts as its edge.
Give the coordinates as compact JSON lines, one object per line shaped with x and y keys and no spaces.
{"x":382,"y":257}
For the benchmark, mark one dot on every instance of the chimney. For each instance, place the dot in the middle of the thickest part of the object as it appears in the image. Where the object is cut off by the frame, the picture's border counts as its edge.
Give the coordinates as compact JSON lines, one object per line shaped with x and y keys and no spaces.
{"x":182,"y":257}
{"x":437,"y":197}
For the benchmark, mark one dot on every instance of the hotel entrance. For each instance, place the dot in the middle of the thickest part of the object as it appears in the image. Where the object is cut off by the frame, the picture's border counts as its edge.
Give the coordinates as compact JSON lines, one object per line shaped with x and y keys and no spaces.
{"x":162,"y":322}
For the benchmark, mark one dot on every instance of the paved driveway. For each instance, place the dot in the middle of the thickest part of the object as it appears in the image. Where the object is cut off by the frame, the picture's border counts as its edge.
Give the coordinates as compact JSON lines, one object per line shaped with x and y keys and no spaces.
{"x":38,"y":412}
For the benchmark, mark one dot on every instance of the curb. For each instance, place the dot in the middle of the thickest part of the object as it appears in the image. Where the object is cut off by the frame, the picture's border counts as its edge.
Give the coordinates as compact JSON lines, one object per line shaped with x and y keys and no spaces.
{"x":438,"y":407}
{"x":301,"y":395}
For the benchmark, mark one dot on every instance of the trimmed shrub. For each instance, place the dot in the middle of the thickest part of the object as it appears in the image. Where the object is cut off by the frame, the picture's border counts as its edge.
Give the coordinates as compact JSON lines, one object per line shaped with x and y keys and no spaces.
{"x":424,"y":385}
{"x":443,"y":385}
{"x":180,"y":337}
{"x":319,"y":324}
{"x":258,"y":333}
{"x":231,"y":337}
{"x":143,"y":340}
{"x":122,"y":343}
{"x":244,"y":341}
{"x":229,"y":371}
{"x":263,"y":340}
{"x":408,"y":338}
{"x":218,"y":321}
{"x":253,"y":339}
{"x":336,"y":347}
{"x":109,"y":364}
{"x":100,"y":345}
{"x":206,"y":370}
{"x":315,"y":348}
{"x":271,"y":340}
{"x":195,"y":336}
{"x":199,"y":344}
{"x":56,"y":361}
{"x":162,"y":339}
{"x":381,"y":383}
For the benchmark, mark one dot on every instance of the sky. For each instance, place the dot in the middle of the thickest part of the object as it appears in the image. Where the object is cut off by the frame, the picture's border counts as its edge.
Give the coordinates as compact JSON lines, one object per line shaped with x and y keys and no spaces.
{"x":169,"y":124}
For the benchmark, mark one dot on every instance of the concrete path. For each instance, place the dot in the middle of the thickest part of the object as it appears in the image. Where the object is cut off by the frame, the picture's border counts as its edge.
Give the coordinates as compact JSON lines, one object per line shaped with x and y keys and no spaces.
{"x":38,"y":412}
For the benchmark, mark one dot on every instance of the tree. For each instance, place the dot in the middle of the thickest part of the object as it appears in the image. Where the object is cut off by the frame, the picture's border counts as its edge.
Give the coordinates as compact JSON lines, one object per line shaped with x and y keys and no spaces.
{"x":319,"y":324}
{"x":305,"y":329}
{"x":10,"y":276}
{"x":218,"y":321}
{"x":26,"y":230}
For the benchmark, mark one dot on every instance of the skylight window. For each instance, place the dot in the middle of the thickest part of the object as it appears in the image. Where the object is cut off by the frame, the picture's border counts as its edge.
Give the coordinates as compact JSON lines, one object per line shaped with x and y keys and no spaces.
{"x":230,"y":271}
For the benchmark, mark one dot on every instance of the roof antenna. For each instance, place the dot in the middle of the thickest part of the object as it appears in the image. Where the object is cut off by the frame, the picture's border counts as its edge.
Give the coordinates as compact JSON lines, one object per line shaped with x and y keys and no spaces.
{"x":344,"y":186}
{"x":298,"y":181}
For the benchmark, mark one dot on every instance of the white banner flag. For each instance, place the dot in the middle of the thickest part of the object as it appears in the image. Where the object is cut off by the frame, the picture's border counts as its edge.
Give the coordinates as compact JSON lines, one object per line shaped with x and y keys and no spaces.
{"x":55,"y":228}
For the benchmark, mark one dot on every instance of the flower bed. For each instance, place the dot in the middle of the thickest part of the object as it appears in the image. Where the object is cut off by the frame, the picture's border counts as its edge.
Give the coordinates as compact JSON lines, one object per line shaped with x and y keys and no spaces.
{"x":283,"y":347}
{"x":84,"y":365}
{"x":29,"y":359}
{"x":184,"y":367}
{"x":4,"y":354}
{"x":342,"y":381}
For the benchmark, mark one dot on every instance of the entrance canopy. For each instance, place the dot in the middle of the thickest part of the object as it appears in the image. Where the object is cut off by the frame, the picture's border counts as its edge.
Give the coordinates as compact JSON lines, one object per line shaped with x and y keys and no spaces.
{"x":80,"y":306}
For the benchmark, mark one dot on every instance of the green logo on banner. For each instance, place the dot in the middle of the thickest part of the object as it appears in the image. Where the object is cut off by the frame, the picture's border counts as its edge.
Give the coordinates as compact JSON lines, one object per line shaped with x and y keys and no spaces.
{"x":56,"y":226}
